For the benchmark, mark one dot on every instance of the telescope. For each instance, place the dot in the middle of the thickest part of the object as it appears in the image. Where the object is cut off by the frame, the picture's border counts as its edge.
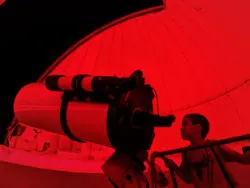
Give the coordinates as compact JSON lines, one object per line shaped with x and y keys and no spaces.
{"x":106,"y":110}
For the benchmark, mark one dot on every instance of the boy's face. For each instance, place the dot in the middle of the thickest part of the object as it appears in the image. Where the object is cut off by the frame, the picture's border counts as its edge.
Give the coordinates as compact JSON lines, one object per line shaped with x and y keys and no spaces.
{"x":188,"y":129}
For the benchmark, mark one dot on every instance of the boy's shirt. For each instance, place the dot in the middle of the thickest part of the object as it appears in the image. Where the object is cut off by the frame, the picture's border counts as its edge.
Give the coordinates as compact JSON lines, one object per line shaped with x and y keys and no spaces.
{"x":202,"y":167}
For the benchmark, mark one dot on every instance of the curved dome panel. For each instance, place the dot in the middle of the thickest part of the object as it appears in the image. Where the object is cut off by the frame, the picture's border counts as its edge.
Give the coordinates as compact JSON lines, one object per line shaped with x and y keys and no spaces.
{"x":194,"y":53}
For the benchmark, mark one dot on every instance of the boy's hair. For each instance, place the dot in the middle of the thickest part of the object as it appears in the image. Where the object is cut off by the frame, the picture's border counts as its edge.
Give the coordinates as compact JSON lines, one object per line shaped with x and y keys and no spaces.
{"x":201,"y":120}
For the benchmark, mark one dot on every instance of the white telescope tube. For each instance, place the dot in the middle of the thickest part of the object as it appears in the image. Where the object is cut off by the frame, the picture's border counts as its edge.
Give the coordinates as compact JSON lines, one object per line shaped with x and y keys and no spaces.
{"x":39,"y":107}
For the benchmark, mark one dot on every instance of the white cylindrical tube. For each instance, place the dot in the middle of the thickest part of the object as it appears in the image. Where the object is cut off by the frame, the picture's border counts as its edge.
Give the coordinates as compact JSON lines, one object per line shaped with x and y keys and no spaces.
{"x":89,"y":83}
{"x":69,"y":83}
{"x":65,"y":83}
{"x":39,"y":107}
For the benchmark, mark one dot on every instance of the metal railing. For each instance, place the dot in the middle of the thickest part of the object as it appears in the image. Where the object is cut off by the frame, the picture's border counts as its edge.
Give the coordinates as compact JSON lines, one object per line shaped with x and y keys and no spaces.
{"x":206,"y":145}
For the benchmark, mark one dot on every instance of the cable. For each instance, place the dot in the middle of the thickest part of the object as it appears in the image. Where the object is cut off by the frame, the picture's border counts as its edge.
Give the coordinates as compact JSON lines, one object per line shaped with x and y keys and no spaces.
{"x":172,"y":174}
{"x":157,"y":102}
{"x":153,"y":173}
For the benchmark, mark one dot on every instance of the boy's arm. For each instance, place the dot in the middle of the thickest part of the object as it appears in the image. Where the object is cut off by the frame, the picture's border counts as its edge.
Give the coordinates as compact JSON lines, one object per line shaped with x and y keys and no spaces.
{"x":230,"y":155}
{"x":197,"y":182}
{"x":179,"y":170}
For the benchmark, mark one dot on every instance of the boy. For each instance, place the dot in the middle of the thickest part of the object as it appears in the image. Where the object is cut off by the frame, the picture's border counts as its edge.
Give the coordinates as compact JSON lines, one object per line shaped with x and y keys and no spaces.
{"x":202,"y":167}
